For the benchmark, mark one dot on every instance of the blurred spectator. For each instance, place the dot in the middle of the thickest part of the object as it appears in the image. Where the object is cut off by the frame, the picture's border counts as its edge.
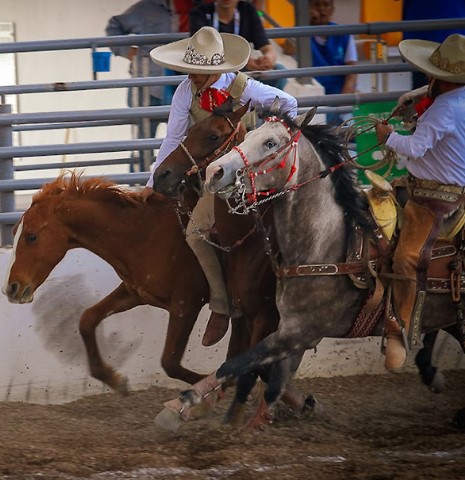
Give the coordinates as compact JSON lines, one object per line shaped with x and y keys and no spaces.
{"x":431,"y":10}
{"x":241,"y":18}
{"x":332,"y":51}
{"x":144,"y":17}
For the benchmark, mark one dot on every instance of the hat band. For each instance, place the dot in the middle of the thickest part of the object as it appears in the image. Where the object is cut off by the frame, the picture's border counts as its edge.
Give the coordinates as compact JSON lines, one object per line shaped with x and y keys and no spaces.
{"x":194,"y":58}
{"x":439,"y":61}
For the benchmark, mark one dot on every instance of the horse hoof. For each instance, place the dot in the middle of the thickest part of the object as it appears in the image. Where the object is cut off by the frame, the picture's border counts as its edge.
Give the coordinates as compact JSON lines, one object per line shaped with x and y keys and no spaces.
{"x":168,"y":420}
{"x":438,"y":383}
{"x":122,"y":386}
{"x":235,"y":414}
{"x":459,"y":419}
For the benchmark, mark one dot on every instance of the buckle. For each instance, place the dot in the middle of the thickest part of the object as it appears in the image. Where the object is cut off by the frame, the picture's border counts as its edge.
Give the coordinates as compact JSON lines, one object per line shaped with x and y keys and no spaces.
{"x":317,"y":269}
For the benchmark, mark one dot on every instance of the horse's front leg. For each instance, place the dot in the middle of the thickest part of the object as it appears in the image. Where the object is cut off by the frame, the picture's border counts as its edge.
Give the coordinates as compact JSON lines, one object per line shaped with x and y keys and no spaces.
{"x":119,"y":300}
{"x":272,"y":349}
{"x":180,"y":326}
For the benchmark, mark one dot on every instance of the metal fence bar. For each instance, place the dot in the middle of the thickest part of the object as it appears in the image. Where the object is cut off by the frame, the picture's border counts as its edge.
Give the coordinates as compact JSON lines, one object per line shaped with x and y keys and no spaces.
{"x":371,"y":28}
{"x":174,"y":80}
{"x":36,"y":183}
{"x":77,"y":164}
{"x":84,"y":147}
{"x":7,"y":198}
{"x":56,"y":126}
{"x":133,"y":113}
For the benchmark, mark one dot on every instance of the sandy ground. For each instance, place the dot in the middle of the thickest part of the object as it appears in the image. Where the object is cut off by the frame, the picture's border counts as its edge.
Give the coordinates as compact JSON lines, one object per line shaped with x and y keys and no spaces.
{"x":367,"y":427}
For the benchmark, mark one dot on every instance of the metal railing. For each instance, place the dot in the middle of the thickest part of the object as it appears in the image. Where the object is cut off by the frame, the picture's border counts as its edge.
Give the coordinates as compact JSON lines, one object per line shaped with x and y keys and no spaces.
{"x":10,"y":122}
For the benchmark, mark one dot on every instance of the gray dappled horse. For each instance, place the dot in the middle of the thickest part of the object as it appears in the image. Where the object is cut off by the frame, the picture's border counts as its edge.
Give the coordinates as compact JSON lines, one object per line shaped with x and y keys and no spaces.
{"x":313,"y":222}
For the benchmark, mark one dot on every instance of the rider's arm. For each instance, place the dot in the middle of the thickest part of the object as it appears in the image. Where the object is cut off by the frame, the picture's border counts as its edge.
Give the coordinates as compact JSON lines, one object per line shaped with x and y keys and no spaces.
{"x":432,"y":126}
{"x":261,"y":94}
{"x":178,"y":122}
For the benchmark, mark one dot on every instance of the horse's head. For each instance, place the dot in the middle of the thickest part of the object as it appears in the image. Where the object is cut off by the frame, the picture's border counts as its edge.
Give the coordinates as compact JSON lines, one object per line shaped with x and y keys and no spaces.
{"x":40,"y":242}
{"x":205,"y":141}
{"x":264,"y":161}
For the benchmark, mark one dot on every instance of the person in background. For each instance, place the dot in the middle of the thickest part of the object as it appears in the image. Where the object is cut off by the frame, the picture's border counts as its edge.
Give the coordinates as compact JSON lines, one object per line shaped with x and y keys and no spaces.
{"x":212,"y":61}
{"x":240,"y":18}
{"x":436,"y":166}
{"x":332,"y":50}
{"x":144,"y":17}
{"x":431,"y":10}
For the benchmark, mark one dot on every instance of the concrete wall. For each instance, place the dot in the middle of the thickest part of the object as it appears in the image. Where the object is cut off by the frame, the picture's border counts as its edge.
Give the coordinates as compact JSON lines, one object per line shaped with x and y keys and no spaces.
{"x":42,"y":356}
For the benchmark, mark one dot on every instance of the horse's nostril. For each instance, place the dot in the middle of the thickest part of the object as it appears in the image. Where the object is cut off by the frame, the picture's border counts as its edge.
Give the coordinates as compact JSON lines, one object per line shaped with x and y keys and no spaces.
{"x":12,"y":289}
{"x":164,"y":174}
{"x":159,"y":180}
{"x":218,"y":173}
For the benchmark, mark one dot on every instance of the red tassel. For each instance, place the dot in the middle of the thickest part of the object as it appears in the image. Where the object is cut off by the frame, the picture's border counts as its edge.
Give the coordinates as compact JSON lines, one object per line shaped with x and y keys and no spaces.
{"x":423,"y":105}
{"x":211,"y":98}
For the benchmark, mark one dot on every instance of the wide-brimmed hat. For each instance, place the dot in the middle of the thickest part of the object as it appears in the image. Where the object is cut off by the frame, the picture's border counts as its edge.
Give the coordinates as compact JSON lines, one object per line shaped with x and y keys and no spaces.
{"x":445,"y":61}
{"x":206,"y":52}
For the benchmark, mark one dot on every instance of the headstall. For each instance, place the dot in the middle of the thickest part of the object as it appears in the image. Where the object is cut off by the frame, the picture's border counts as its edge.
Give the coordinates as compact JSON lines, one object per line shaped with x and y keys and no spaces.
{"x":290,"y":146}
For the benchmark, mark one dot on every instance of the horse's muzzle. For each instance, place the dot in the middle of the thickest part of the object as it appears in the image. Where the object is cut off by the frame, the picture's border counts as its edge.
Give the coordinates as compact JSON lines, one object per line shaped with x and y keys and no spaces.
{"x":16,"y":294}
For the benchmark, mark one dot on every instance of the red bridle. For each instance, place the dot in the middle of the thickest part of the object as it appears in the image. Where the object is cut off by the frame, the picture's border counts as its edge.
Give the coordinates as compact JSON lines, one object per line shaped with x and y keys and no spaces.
{"x":290,"y":145}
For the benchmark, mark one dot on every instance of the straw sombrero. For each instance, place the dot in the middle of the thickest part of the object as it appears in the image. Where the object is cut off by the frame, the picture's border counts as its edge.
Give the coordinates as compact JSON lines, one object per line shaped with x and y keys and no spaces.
{"x":445,"y":61}
{"x":206,"y":52}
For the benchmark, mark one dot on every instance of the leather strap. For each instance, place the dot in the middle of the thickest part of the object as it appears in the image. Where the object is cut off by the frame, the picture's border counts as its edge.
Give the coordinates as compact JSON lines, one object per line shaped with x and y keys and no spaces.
{"x":321,"y":269}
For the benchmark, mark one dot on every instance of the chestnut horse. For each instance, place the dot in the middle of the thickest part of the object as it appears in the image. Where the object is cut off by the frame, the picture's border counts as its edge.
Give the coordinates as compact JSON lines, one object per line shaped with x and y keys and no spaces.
{"x":142,"y":241}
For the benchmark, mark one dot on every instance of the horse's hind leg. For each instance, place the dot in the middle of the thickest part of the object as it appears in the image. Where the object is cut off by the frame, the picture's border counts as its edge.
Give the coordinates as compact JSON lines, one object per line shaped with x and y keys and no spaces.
{"x":457,"y":331}
{"x":244,"y":386}
{"x":278,"y":377}
{"x":119,"y":300}
{"x":429,"y":374}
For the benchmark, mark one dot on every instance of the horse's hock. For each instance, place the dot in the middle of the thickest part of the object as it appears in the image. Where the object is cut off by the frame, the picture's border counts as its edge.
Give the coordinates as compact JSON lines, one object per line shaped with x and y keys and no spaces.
{"x":42,"y":357}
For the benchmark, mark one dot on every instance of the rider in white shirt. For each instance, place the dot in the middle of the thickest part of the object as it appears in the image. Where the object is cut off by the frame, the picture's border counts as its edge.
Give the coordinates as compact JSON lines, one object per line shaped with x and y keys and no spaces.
{"x":213,"y":61}
{"x":436,"y":167}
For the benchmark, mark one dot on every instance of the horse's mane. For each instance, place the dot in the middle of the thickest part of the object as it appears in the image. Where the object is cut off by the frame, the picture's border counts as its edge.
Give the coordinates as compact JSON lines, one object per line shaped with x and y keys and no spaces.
{"x":73,"y":184}
{"x":329,"y":146}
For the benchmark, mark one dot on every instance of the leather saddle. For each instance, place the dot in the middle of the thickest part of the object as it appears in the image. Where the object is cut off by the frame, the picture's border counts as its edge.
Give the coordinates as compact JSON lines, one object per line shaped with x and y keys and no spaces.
{"x":445,"y":273}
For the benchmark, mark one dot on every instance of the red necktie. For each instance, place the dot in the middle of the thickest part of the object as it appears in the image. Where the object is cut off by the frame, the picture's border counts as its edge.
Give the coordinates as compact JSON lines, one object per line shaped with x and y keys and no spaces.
{"x":212,"y":97}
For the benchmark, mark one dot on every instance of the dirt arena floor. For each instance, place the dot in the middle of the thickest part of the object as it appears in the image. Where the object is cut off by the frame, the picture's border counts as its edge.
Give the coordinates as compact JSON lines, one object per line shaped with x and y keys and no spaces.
{"x":377,"y":427}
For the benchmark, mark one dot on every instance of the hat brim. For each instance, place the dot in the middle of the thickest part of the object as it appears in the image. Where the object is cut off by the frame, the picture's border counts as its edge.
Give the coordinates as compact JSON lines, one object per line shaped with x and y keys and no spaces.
{"x":236,"y":48}
{"x":418,"y":53}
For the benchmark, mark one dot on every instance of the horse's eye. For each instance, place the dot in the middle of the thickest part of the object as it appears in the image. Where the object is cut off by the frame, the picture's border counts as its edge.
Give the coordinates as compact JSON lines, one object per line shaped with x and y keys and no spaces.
{"x":213,"y":137}
{"x":270,"y":144}
{"x":31,"y":237}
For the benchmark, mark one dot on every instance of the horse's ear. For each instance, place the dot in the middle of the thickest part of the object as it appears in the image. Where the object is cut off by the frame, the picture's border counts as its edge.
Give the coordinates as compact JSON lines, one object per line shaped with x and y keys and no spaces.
{"x":305,"y":118}
{"x":275,"y":108}
{"x":226,"y":106}
{"x":240,"y":112}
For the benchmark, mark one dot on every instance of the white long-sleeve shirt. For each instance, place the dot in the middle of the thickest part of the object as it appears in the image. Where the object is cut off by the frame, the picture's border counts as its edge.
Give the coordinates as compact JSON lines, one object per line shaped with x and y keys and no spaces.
{"x":178,"y":121}
{"x":436,"y":150}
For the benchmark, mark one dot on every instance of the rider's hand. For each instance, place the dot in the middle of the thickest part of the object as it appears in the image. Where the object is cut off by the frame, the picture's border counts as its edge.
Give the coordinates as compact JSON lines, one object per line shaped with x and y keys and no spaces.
{"x":265,"y":62}
{"x":409,"y":99}
{"x":382,"y":131}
